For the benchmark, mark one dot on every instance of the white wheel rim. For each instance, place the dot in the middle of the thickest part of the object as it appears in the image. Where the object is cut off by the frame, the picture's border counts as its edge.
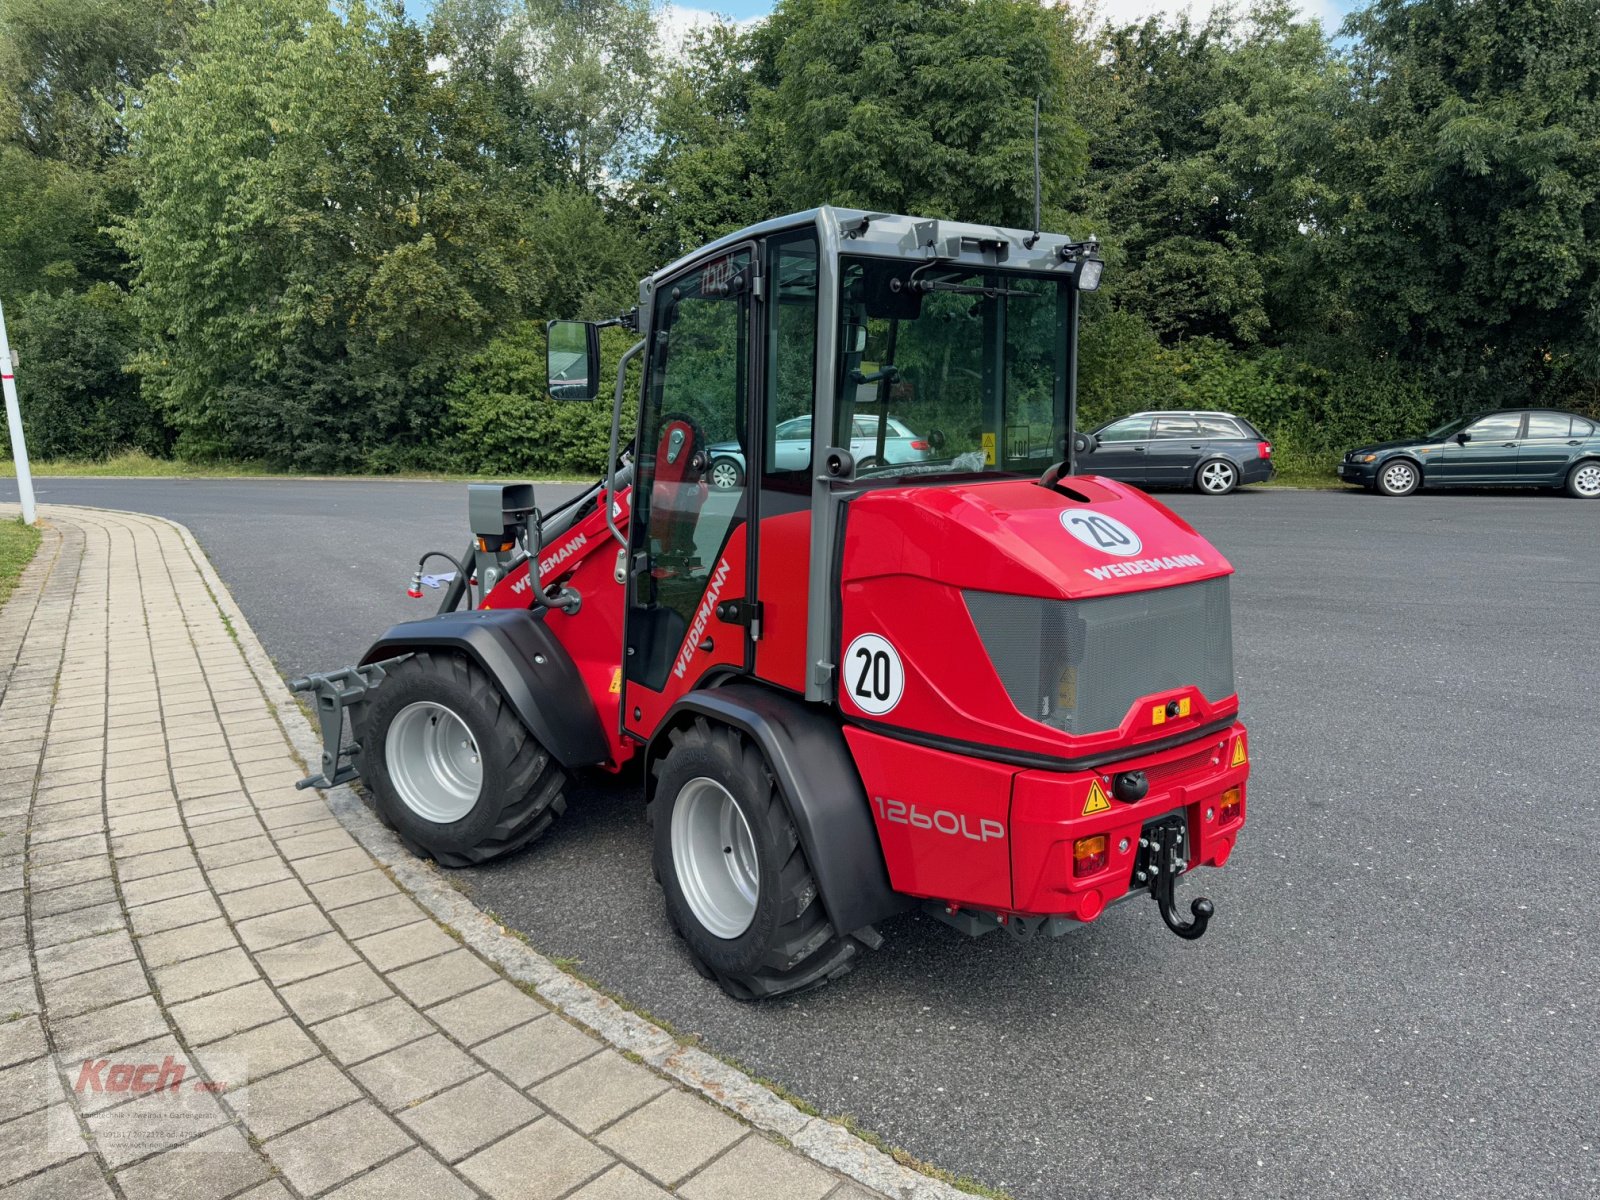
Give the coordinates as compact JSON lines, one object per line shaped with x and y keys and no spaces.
{"x":1587,"y":481}
{"x":1399,"y":478}
{"x":1216,"y":477}
{"x":724,"y":475}
{"x":715,"y":858}
{"x":433,"y":761}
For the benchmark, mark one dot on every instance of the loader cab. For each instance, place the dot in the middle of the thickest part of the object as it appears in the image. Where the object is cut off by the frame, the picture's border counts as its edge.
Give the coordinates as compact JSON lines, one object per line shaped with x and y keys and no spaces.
{"x":793,"y":366}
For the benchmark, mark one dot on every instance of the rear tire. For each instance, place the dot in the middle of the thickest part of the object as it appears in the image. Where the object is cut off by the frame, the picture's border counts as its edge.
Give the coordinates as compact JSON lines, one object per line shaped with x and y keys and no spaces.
{"x":1216,"y":477}
{"x":1398,"y":477}
{"x":1583,"y":481}
{"x":737,"y":885}
{"x":453,"y":770}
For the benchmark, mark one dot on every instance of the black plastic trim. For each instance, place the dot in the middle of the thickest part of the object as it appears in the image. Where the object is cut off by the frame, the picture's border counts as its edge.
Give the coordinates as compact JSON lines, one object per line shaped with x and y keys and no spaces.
{"x":549,"y":695}
{"x":806,"y":752}
{"x":1045,"y":762}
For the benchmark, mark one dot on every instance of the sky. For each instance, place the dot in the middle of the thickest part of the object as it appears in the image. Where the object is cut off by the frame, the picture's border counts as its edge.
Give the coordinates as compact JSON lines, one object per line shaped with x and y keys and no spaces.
{"x":681,"y":17}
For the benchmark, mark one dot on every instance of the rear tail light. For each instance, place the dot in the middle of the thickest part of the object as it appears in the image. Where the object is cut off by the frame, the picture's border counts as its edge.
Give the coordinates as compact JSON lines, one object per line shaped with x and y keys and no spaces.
{"x":1089,"y":855}
{"x":919,"y":444}
{"x":1231,"y":799}
{"x":1263,"y":449}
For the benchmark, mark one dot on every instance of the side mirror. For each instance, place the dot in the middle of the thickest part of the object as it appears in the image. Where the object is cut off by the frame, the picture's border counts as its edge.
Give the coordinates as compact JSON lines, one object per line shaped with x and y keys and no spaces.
{"x":1084,"y":443}
{"x":572,"y":360}
{"x":1463,"y":438}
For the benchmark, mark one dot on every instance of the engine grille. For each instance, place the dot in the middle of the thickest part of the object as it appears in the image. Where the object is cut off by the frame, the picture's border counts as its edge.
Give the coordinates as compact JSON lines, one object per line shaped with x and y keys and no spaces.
{"x":1080,"y":664}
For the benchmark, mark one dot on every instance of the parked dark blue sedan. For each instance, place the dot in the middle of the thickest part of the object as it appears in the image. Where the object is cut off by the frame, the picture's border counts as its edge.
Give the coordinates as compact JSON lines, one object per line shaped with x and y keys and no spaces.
{"x":1520,"y":447}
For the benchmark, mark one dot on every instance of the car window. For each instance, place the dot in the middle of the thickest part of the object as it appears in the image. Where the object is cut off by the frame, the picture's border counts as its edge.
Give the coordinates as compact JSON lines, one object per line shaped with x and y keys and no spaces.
{"x":800,"y":427}
{"x":1133,"y":429}
{"x":1176,"y":427}
{"x":1582,"y":428}
{"x":898,"y":428}
{"x":1500,"y":427}
{"x":1220,"y":427}
{"x":1549,"y":425}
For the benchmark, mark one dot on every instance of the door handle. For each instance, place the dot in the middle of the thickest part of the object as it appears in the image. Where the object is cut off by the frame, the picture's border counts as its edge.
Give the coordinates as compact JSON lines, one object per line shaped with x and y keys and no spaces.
{"x":1508,"y":445}
{"x":1138,"y":449}
{"x":1194,"y":445}
{"x":1575,"y":442}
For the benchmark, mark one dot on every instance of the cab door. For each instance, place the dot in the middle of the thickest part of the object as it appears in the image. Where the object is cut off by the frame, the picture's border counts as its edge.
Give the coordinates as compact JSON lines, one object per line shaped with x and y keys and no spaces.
{"x":687,"y":540}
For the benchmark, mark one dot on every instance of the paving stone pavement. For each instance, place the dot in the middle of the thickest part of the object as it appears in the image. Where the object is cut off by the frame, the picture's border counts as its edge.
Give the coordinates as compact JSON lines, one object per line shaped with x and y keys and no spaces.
{"x":209,"y":988}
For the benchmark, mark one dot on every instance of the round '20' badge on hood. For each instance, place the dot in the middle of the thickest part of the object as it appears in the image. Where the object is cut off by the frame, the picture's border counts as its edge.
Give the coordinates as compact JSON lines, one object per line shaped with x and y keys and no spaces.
{"x":1100,"y":532}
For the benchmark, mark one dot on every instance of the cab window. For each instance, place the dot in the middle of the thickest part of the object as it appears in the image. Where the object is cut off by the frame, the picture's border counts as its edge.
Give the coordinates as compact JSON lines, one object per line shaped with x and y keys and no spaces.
{"x":1133,"y":429}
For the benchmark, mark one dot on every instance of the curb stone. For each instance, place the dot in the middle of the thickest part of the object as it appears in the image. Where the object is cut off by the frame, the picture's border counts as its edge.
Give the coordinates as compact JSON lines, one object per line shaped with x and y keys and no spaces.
{"x":828,"y":1144}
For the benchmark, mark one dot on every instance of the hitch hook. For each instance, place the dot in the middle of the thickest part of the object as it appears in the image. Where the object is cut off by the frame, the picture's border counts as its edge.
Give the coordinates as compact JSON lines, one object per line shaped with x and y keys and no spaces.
{"x":1202,"y":910}
{"x":1162,"y":859}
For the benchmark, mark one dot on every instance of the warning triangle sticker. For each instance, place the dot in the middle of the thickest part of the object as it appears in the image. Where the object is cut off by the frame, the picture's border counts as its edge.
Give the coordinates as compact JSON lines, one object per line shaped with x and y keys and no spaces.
{"x":1097,"y":801}
{"x":1239,"y":756}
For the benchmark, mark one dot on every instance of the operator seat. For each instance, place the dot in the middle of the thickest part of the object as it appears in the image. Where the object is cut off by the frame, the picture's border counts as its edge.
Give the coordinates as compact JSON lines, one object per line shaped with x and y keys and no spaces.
{"x":679,"y":492}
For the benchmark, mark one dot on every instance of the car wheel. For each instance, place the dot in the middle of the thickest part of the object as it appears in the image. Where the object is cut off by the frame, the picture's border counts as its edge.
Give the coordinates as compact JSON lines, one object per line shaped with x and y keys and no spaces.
{"x":1583,"y":481}
{"x":1216,"y":477}
{"x":726,"y":474}
{"x":1399,"y":477}
{"x":868,"y":463}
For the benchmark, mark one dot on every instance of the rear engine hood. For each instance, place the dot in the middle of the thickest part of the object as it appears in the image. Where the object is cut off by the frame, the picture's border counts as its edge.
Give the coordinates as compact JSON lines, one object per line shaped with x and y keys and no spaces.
{"x":1085,"y":537}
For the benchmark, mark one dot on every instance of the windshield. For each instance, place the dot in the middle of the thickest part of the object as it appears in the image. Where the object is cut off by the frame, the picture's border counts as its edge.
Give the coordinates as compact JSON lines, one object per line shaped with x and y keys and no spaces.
{"x":949,"y":371}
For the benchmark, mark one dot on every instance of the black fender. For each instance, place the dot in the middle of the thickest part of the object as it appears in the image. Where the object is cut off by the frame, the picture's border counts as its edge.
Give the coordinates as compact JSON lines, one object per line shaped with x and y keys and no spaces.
{"x":533,"y":670}
{"x":817,"y":778}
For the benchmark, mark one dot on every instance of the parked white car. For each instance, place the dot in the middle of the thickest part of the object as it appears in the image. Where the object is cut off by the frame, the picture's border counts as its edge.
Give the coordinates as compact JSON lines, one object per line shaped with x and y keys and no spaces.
{"x":793,"y":449}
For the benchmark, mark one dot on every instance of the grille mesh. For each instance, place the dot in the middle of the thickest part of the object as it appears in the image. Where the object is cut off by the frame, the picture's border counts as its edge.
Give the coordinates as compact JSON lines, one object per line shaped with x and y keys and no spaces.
{"x":1080,"y":664}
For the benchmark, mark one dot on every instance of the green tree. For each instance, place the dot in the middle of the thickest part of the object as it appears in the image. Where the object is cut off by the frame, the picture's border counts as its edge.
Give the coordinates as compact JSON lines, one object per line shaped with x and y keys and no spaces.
{"x":926,"y":106}
{"x":1207,"y":172}
{"x":1469,"y":237}
{"x":319,"y":240}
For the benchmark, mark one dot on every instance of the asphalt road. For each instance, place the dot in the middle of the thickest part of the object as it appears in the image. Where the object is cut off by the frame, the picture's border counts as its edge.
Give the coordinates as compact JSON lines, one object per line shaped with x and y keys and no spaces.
{"x":1400,"y":995}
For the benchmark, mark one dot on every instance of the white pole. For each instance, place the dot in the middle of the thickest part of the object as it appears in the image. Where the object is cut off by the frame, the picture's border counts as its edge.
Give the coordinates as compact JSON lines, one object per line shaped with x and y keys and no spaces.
{"x":19,"y":448}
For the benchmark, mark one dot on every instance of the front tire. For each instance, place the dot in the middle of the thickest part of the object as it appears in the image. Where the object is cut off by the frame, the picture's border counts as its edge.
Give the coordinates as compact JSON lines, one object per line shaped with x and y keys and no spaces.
{"x":726,"y":474}
{"x":453,"y":770}
{"x":737,"y":885}
{"x":1216,"y":477}
{"x":1583,"y":481}
{"x":1399,"y":477}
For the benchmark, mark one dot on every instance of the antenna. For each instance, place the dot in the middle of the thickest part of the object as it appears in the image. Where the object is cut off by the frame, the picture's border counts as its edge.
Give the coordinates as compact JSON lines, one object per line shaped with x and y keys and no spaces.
{"x":1034,"y":240}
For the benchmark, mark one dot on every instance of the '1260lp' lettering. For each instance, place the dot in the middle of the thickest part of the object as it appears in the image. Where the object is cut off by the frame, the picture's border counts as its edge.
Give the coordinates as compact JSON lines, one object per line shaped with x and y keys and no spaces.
{"x":941,"y":821}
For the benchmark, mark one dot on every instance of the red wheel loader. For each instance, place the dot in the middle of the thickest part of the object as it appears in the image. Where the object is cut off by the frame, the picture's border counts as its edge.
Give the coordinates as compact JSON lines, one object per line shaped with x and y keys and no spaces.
{"x":893,"y":653}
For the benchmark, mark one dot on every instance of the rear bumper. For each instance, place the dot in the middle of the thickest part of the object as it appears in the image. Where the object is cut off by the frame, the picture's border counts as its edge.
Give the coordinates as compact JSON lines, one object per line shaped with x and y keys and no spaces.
{"x":984,"y":835}
{"x":1256,"y":470}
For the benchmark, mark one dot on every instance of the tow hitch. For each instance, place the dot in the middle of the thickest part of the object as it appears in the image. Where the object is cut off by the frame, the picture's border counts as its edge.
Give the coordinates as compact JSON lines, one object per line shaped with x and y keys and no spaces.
{"x":1163,"y":844}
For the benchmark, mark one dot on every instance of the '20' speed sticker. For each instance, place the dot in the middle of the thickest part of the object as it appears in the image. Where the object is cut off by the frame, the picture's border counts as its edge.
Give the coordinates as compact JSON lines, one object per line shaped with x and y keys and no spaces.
{"x":873,"y":674}
{"x":1100,"y":532}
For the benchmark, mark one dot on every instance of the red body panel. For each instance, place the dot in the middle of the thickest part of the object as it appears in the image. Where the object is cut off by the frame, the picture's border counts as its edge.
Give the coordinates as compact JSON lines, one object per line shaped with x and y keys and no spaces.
{"x":988,"y":836}
{"x":586,"y":556}
{"x":783,"y":567}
